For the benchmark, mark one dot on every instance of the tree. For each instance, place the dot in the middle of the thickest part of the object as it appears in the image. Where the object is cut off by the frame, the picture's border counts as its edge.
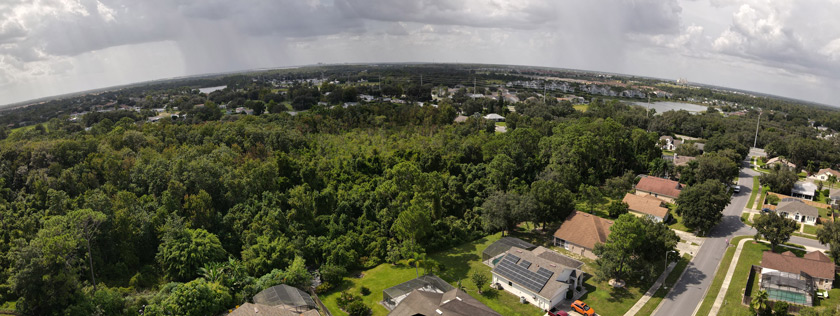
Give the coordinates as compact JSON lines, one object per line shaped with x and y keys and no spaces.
{"x":701,"y":205}
{"x":714,"y":166}
{"x":195,"y":298}
{"x":758,"y":304}
{"x":780,"y":179}
{"x":832,"y":179}
{"x":501,"y":171}
{"x":183,"y":251}
{"x":780,"y":308}
{"x":553,"y":201}
{"x":616,"y":208}
{"x":479,"y":279}
{"x":266,"y":254}
{"x":830,"y":234}
{"x":501,"y":212}
{"x":775,"y":228}
{"x":635,"y":245}
{"x":297,"y":275}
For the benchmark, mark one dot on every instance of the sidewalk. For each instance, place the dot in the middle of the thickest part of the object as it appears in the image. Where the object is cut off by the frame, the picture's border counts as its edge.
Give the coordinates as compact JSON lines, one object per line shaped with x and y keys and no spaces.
{"x":726,"y":280}
{"x":642,"y":301}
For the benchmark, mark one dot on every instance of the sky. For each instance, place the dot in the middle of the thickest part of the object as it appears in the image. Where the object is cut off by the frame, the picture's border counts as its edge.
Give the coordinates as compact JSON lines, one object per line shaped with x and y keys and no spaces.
{"x":784,"y":47}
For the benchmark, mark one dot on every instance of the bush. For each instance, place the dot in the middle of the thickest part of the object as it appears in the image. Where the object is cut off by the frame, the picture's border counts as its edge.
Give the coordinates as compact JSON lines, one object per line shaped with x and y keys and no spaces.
{"x":772,"y":199}
{"x":331,"y":273}
{"x":780,"y":308}
{"x":357,"y":308}
{"x":324,"y":287}
{"x":345,"y":299}
{"x":365,"y":291}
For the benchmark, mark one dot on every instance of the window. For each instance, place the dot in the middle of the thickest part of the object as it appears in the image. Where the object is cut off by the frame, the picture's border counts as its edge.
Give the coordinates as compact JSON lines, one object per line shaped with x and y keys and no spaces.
{"x":510,"y":283}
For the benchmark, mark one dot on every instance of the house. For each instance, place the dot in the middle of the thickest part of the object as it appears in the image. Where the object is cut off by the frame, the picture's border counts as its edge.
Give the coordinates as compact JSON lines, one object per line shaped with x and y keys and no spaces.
{"x":646,"y":206}
{"x":250,"y":309}
{"x":537,"y":276}
{"x":393,"y":296}
{"x":286,"y":297}
{"x":797,"y":210}
{"x":461,"y":119}
{"x":501,"y":246}
{"x":669,"y":143}
{"x":790,"y":278}
{"x":779,"y":161}
{"x":682,"y":160}
{"x":580,"y":232}
{"x":366,"y":97}
{"x":454,"y":302}
{"x":494,"y":117}
{"x":823,"y":174}
{"x":663,"y":189}
{"x":244,"y":110}
{"x":804,"y":190}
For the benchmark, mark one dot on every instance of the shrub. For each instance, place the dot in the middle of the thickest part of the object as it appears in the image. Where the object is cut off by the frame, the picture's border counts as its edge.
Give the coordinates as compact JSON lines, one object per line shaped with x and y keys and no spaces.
{"x":323,"y":288}
{"x":345,"y":299}
{"x":365,"y":291}
{"x":357,"y":308}
{"x":772,"y":199}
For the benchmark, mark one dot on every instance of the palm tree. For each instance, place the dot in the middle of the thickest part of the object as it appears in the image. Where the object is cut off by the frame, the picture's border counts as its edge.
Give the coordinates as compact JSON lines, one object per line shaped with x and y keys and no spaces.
{"x":213,"y":272}
{"x":759,"y":301}
{"x":832,"y":179}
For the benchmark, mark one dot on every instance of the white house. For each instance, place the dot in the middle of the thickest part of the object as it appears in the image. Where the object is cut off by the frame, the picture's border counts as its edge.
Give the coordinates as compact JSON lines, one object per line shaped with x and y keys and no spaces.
{"x":669,"y":143}
{"x":823,"y":174}
{"x":494,"y":117}
{"x":798,"y":211}
{"x":804,"y":190}
{"x":541,"y":276}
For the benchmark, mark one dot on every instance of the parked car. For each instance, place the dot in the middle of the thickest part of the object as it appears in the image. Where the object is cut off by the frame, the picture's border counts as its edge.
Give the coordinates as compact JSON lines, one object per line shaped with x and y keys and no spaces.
{"x":765,"y":210}
{"x":582,"y":308}
{"x":736,"y":189}
{"x":555,"y":312}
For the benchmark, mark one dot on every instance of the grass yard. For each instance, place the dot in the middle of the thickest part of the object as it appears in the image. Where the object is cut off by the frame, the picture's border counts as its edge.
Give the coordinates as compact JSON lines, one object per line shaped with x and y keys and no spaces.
{"x":677,"y":221}
{"x":745,"y":218}
{"x":756,"y":187}
{"x":763,"y":196}
{"x":459,"y":263}
{"x":500,"y":124}
{"x":824,"y":213}
{"x":811,"y":229}
{"x":672,"y":278}
{"x":599,"y":209}
{"x":717,"y":282}
{"x":607,"y":300}
{"x":581,"y":107}
{"x":8,"y":306}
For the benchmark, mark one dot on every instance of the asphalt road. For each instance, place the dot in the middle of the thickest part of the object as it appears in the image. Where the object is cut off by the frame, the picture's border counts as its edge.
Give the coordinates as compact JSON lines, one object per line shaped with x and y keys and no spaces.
{"x":689,"y":291}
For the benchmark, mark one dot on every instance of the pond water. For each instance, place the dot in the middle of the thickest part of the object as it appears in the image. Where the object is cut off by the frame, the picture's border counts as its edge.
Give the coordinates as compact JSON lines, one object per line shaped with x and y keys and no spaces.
{"x":211,"y":89}
{"x":666,"y":106}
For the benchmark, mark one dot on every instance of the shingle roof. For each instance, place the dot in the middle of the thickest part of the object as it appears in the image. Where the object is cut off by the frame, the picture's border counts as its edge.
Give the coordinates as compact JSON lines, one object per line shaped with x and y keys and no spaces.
{"x":249,"y":309}
{"x":454,"y":302}
{"x":537,"y":263}
{"x":645,"y":204}
{"x":664,"y":187}
{"x":793,"y":206}
{"x":817,"y":255}
{"x":682,"y":160}
{"x":792,"y":264}
{"x":830,"y":171}
{"x":584,"y":229}
{"x":284,"y":295}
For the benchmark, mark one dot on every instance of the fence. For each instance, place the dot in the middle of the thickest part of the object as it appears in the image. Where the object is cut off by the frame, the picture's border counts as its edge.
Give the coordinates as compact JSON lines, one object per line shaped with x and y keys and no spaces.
{"x":748,"y":299}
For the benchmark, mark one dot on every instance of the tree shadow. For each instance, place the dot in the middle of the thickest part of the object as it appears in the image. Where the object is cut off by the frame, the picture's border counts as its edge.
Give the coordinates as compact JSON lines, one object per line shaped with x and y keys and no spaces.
{"x":691,"y":277}
{"x":490,"y":293}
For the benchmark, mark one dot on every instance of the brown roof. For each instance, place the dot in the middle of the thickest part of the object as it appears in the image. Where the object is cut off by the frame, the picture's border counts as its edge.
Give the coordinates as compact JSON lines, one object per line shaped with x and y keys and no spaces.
{"x":584,"y":230}
{"x":813,"y":264}
{"x":249,"y":309}
{"x":664,"y":187}
{"x":454,"y":302}
{"x":645,"y":204}
{"x":817,"y":255}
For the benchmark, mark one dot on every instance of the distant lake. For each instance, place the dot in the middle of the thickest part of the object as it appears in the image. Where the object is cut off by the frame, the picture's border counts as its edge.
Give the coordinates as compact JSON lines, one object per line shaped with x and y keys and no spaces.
{"x":666,"y":106}
{"x":211,"y":89}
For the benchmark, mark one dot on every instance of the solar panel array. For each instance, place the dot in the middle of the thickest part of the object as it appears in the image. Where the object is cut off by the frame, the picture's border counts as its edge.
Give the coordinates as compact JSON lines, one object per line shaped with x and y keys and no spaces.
{"x":534,"y":281}
{"x":525,"y":263}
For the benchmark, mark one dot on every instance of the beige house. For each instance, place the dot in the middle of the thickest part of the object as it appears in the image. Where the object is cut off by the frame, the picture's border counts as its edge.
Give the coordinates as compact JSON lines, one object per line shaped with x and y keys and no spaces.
{"x":580,"y":232}
{"x":646,"y":206}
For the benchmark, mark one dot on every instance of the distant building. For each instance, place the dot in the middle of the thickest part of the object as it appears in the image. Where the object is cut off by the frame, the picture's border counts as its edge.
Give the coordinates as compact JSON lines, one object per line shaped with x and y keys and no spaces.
{"x":798,"y":211}
{"x":823,"y":174}
{"x":669,"y":143}
{"x":494,"y":117}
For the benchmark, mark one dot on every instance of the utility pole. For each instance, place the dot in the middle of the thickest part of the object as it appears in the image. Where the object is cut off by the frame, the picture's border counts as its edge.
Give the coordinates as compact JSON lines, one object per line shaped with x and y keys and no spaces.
{"x":756,"y":129}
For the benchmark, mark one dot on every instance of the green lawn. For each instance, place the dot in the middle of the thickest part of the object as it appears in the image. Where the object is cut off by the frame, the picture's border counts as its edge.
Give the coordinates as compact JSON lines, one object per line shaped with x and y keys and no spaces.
{"x":677,"y":221}
{"x":8,"y":306}
{"x":763,"y":195}
{"x":500,"y":124}
{"x":824,"y":213}
{"x":458,"y":263}
{"x":745,"y":218}
{"x":709,"y":299}
{"x":599,"y":209}
{"x":672,"y":278}
{"x":811,"y":229}
{"x":606,"y":300}
{"x":755,"y":190}
{"x":581,"y":107}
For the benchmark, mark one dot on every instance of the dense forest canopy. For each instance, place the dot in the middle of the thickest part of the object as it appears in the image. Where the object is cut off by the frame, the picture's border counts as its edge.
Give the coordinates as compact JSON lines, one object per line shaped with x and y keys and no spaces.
{"x":228,"y":205}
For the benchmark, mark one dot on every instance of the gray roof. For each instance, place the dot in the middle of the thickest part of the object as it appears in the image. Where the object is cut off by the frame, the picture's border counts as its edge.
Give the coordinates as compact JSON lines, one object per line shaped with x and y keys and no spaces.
{"x":793,"y":206}
{"x":503,"y":245}
{"x":804,"y":187}
{"x":429,"y":282}
{"x":454,"y":302}
{"x":284,"y":295}
{"x":540,"y":277}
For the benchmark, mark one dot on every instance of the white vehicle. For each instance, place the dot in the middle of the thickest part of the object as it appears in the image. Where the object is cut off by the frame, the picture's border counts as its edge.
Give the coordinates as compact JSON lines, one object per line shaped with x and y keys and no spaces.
{"x":736,"y":188}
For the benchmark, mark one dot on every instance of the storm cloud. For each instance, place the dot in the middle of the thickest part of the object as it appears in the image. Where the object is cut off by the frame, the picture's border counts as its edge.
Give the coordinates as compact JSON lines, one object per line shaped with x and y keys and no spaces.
{"x":790,"y":48}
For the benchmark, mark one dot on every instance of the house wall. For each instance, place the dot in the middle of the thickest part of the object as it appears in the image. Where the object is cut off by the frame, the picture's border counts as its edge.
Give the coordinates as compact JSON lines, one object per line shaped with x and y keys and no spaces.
{"x":658,"y":196}
{"x":640,"y":214}
{"x":519,"y":291}
{"x":808,"y":220}
{"x":823,"y":284}
{"x":574,"y":248}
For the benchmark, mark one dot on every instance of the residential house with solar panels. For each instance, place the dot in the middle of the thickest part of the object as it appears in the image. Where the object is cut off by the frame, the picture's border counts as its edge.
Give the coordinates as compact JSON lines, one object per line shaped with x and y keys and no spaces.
{"x":541,"y":276}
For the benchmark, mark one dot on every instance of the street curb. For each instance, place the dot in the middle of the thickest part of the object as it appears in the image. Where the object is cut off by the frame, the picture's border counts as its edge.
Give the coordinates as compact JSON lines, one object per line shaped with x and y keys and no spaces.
{"x":669,"y":291}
